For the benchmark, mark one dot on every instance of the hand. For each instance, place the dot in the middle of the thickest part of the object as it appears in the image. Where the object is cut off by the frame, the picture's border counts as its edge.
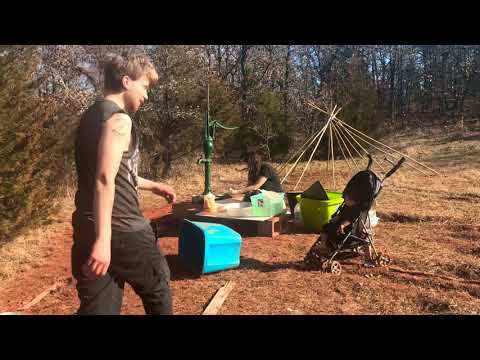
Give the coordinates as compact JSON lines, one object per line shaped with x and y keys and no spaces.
{"x":99,"y":260}
{"x":166,"y":191}
{"x":233,"y":191}
{"x":340,"y":230}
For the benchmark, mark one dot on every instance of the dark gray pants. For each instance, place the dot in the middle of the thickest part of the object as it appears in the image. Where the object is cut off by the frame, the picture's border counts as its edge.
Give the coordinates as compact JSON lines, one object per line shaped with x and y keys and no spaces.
{"x":135,"y":259}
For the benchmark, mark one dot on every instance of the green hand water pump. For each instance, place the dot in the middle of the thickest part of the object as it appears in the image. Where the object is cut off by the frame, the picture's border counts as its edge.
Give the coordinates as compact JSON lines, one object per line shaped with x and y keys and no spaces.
{"x":209,"y":137}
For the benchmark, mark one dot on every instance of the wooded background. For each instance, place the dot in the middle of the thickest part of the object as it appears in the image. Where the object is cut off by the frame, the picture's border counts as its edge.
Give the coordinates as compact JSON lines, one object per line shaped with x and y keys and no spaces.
{"x":260,"y":88}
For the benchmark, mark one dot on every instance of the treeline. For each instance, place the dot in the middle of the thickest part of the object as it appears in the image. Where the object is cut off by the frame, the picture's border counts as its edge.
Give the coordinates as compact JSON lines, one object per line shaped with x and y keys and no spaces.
{"x":260,"y":88}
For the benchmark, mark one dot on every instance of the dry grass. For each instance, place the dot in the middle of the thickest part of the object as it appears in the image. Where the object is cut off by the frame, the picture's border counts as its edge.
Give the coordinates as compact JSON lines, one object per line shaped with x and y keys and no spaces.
{"x":188,"y":180}
{"x":24,"y":252}
{"x":427,"y":224}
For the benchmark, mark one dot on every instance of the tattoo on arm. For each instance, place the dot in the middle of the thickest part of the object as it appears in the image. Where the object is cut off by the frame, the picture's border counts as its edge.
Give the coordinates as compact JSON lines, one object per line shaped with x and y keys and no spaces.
{"x":121,"y":126}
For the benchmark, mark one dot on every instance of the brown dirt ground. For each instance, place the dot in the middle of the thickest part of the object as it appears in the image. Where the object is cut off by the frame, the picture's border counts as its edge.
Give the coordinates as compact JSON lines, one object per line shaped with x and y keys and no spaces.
{"x":428,"y":225}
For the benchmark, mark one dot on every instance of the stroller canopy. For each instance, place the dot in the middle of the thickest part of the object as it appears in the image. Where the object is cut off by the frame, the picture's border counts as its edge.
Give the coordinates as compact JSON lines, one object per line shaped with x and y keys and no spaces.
{"x":363,"y":188}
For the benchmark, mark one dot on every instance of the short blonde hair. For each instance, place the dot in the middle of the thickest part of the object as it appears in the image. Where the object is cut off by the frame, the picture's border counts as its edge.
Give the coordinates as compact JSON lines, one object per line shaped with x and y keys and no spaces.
{"x":131,"y":64}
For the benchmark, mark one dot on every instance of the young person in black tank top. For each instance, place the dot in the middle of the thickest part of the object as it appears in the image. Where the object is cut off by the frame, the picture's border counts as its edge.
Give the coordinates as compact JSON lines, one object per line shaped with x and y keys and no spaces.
{"x":261,"y":175}
{"x":112,"y":242}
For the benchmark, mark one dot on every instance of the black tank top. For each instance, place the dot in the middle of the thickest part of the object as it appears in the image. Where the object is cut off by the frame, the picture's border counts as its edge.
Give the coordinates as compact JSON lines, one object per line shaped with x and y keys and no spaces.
{"x":126,"y":214}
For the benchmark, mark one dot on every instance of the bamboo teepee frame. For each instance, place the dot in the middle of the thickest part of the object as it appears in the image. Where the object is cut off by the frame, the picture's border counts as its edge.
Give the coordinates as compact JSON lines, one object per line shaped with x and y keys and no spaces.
{"x":347,"y":138}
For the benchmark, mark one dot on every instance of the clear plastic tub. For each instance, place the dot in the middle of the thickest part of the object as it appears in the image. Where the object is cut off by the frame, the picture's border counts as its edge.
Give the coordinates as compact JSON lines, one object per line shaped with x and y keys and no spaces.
{"x":239,"y":210}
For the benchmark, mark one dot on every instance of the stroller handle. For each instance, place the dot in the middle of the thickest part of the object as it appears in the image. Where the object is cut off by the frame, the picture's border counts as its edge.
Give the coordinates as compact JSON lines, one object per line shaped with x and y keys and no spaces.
{"x":395,"y":168}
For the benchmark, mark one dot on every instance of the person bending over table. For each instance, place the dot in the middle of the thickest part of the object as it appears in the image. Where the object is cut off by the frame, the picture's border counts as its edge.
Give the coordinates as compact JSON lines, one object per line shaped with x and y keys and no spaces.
{"x":261,"y":175}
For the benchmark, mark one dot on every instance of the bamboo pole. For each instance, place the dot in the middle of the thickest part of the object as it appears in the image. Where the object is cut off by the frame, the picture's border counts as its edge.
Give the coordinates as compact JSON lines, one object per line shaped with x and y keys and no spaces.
{"x":390,"y":155}
{"x":284,"y":165}
{"x":304,"y":151}
{"x":338,"y":131}
{"x":354,"y":137}
{"x":341,"y":148}
{"x":318,"y":142}
{"x":312,"y":104}
{"x":311,"y":155}
{"x":341,"y":129}
{"x":375,"y":161}
{"x":298,"y":159}
{"x":306,"y":143}
{"x":333,"y":159}
{"x":398,"y":152}
{"x":328,"y":156}
{"x":315,"y":106}
{"x":366,"y":152}
{"x":387,"y":154}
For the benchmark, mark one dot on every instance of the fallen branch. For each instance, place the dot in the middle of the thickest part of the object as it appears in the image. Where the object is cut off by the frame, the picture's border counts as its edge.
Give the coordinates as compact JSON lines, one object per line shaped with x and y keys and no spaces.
{"x":421,"y":273}
{"x":44,"y":293}
{"x":218,"y":299}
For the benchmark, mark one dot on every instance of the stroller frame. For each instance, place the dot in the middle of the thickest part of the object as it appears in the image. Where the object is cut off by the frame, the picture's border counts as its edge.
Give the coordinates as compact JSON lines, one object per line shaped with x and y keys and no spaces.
{"x":378,"y":258}
{"x":360,"y":227}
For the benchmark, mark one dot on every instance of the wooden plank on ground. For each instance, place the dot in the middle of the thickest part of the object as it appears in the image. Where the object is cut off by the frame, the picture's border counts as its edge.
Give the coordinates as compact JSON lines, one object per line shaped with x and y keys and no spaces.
{"x":47,"y":291}
{"x":217,"y":301}
{"x":10,"y":313}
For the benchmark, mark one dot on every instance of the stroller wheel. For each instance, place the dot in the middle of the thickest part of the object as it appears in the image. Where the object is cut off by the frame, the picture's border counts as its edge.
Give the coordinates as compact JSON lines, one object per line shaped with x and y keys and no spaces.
{"x":325,"y":264}
{"x":383,"y":260}
{"x":335,"y":268}
{"x":386,"y":259}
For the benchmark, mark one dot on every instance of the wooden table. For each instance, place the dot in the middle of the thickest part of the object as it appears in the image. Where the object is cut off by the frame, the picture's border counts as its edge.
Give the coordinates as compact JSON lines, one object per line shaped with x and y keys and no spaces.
{"x":265,"y":226}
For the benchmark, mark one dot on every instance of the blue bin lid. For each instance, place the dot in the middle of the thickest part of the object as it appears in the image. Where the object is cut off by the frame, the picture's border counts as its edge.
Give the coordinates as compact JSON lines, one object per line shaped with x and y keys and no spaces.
{"x":218,"y":233}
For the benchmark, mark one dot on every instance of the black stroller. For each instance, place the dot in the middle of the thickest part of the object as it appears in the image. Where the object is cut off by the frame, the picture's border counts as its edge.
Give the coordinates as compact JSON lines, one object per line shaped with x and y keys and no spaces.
{"x":367,"y":185}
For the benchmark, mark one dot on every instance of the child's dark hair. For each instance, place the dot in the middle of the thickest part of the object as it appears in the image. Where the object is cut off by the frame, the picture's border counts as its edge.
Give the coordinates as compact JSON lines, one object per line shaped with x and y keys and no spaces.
{"x":254,"y":160}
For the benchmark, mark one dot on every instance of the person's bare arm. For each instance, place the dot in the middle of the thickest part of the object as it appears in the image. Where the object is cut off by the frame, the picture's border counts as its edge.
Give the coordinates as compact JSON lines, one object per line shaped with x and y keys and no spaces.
{"x":258,"y":184}
{"x":114,"y":141}
{"x":158,"y":188}
{"x":343,"y":225}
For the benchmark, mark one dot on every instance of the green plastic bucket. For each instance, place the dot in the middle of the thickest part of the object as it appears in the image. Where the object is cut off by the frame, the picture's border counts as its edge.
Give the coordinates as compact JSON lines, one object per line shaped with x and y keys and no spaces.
{"x":316,"y":213}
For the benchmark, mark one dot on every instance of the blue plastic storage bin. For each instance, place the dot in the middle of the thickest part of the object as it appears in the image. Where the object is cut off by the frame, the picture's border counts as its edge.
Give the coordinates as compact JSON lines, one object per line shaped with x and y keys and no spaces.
{"x":207,"y":247}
